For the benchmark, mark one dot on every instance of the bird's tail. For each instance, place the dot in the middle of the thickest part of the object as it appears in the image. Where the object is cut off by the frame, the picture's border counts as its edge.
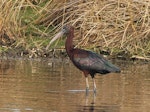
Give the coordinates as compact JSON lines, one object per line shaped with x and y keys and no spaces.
{"x":116,"y":70}
{"x":113,"y":68}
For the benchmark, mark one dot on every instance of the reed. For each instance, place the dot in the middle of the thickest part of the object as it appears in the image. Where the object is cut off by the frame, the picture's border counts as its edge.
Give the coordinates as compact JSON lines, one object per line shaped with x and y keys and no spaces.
{"x":18,"y":29}
{"x":115,"y":26}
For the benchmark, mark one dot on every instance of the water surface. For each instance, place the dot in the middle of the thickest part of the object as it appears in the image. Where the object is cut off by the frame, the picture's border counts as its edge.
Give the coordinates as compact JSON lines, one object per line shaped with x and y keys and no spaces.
{"x":45,"y":85}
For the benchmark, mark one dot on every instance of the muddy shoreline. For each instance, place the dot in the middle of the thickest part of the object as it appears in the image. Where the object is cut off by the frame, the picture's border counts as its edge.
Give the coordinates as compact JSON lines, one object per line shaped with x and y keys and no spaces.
{"x":59,"y":55}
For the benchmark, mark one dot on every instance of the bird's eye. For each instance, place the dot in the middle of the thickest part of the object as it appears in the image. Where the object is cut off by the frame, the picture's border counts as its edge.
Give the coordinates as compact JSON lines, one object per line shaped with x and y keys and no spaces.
{"x":64,"y":30}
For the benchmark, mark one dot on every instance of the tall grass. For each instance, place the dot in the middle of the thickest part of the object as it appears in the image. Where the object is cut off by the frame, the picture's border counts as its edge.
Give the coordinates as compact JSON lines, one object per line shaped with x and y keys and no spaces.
{"x":116,"y":26}
{"x":18,"y":28}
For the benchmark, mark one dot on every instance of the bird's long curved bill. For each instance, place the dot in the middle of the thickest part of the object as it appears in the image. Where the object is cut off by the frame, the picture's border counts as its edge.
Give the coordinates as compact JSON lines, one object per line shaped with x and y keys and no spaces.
{"x":58,"y":35}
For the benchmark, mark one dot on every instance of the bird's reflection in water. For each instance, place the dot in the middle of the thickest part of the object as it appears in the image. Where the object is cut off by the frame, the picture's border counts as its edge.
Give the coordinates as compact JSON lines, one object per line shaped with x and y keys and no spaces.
{"x":89,"y":103}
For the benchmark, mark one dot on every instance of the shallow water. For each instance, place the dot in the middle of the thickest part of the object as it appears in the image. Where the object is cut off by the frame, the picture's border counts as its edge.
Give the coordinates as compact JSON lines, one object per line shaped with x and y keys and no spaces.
{"x":57,"y":86}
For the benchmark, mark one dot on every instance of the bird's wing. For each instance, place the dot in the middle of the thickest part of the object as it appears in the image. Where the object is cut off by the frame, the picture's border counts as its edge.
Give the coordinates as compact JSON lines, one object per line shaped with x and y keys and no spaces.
{"x":87,"y":60}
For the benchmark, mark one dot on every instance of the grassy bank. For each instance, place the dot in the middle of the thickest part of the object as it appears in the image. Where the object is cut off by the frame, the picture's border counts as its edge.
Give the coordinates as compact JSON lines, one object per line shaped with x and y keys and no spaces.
{"x":114,"y":27}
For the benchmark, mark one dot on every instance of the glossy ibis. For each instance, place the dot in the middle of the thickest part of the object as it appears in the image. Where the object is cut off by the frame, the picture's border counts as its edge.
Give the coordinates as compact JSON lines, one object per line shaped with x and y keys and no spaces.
{"x":88,"y":62}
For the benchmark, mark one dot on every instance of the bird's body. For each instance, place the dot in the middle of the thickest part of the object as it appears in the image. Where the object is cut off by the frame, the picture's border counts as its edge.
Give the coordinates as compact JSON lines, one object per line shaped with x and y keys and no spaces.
{"x":87,"y":61}
{"x":91,"y":62}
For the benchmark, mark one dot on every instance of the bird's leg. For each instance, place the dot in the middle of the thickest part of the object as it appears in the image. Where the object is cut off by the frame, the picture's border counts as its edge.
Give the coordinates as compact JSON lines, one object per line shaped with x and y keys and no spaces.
{"x":87,"y":84}
{"x":94,"y":85}
{"x":86,"y":80}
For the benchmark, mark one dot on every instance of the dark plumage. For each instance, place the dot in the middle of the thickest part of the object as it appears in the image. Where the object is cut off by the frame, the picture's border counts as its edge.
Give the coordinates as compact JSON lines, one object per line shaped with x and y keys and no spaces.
{"x":92,"y":62}
{"x":88,"y":62}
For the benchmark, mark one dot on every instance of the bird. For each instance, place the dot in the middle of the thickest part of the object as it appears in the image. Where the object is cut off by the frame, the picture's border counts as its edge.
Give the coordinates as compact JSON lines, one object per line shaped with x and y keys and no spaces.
{"x":90,"y":63}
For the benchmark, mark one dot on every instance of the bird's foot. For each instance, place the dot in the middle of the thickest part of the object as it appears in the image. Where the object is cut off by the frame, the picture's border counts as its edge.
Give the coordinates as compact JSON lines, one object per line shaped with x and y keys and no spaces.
{"x":87,"y":91}
{"x":94,"y":91}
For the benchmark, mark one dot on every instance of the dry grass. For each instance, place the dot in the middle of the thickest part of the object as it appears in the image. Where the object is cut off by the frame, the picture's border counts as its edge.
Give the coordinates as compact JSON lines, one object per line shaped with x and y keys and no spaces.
{"x":17,"y":25}
{"x":116,"y":26}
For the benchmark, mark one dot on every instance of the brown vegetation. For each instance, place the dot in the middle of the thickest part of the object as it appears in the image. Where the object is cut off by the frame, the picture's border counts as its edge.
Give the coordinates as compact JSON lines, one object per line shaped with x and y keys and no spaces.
{"x":116,"y":26}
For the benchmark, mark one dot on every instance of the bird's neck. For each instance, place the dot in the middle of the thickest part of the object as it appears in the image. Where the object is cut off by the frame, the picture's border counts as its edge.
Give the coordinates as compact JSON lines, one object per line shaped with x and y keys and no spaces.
{"x":69,"y":43}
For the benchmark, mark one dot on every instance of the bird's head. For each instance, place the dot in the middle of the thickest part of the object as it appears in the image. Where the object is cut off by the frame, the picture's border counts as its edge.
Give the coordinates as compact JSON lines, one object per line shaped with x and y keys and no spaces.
{"x":67,"y":29}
